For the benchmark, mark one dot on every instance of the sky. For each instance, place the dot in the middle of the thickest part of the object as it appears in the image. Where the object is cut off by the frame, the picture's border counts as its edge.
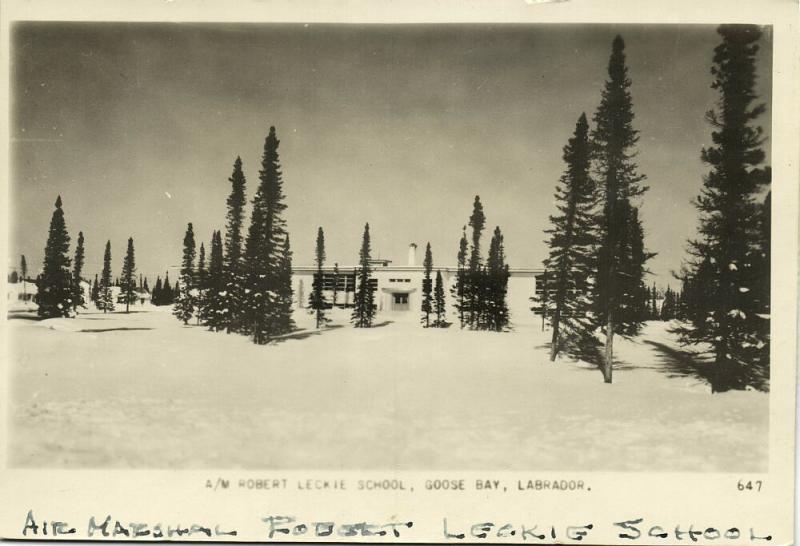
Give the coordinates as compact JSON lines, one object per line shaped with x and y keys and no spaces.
{"x":137,"y":126}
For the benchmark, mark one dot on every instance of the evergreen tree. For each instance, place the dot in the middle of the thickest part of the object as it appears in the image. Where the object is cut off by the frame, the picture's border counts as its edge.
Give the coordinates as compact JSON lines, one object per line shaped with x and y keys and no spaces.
{"x":168,"y":292}
{"x":457,"y":291}
{"x":726,"y":273}
{"x":268,"y":290}
{"x":106,"y":297}
{"x":335,"y":282}
{"x":23,"y":268}
{"x":145,"y":288}
{"x":620,"y":256}
{"x":128,"y":279}
{"x":439,"y":308}
{"x":54,"y":288}
{"x":427,"y":288}
{"x":364,"y":309}
{"x":232,"y":310}
{"x":200,"y":282}
{"x":496,"y":283}
{"x":654,"y":314}
{"x":95,"y":293}
{"x":77,"y":269}
{"x":184,"y":300}
{"x":668,"y":306}
{"x":317,"y":300}
{"x":215,"y":300}
{"x":473,"y":287}
{"x":155,"y":297}
{"x":544,"y":298}
{"x":571,"y":245}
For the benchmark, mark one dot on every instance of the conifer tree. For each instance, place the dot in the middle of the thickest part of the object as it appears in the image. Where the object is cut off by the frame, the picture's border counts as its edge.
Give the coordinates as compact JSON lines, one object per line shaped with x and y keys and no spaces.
{"x":473,"y":287}
{"x":571,"y":244}
{"x":155,"y":297}
{"x":232,"y":310}
{"x":668,"y":306}
{"x":335,"y":282}
{"x":317,"y":301}
{"x":268,"y":290}
{"x":213,"y":308}
{"x":95,"y":293}
{"x":427,"y":288}
{"x":457,"y":291}
{"x":728,"y":308}
{"x":200,"y":282}
{"x":184,"y":300}
{"x":78,"y":299}
{"x":544,"y":298}
{"x":495,"y":307}
{"x":54,"y":288}
{"x":128,"y":279}
{"x":363,"y":310}
{"x":106,"y":298}
{"x":619,"y":269}
{"x":168,"y":292}
{"x":439,"y":307}
{"x":145,"y":288}
{"x":23,"y":268}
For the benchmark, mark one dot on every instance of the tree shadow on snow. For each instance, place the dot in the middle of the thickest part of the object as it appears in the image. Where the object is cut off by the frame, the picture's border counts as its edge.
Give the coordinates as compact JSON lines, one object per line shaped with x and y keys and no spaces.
{"x":305,"y":334}
{"x":680,"y":363}
{"x":23,"y":315}
{"x":101,"y":330}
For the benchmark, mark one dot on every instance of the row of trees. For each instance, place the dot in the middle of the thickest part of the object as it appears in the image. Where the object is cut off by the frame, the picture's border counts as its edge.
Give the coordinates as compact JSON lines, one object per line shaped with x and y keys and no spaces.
{"x":480,"y":288}
{"x":597,"y":257}
{"x":59,"y":287}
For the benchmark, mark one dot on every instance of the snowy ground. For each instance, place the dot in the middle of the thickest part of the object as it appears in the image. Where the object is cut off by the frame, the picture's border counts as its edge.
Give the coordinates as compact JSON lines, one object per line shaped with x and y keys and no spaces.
{"x":142,"y":390}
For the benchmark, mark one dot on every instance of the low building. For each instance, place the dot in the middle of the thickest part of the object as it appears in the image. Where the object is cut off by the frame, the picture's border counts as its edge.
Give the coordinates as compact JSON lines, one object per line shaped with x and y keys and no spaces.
{"x":398,"y":288}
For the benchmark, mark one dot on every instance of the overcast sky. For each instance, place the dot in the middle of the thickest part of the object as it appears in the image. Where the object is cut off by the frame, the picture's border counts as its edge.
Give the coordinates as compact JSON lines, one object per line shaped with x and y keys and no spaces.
{"x":137,"y":127}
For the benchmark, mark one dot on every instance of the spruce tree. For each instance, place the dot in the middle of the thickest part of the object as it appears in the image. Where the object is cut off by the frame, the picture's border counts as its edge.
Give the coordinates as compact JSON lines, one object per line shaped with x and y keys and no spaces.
{"x":728,"y":307}
{"x":335,"y":282}
{"x":168,"y":292}
{"x":106,"y":298}
{"x":572,"y":240}
{"x":473,"y":289}
{"x":200,"y":284}
{"x":54,"y":288}
{"x":544,"y":297}
{"x":215,"y":301}
{"x":95,"y":293}
{"x":439,"y":308}
{"x":128,"y":279}
{"x":458,"y":289}
{"x":232,"y":310}
{"x":155,"y":297}
{"x":317,"y":301}
{"x":184,"y":300}
{"x":23,"y":268}
{"x":619,"y":267}
{"x":363,"y":310}
{"x":268,"y":290}
{"x":78,"y":300}
{"x":496,"y":277}
{"x":427,"y":287}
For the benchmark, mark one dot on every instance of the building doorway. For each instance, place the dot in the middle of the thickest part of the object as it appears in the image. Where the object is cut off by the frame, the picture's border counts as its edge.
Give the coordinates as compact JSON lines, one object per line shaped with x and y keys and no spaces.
{"x":399,"y":302}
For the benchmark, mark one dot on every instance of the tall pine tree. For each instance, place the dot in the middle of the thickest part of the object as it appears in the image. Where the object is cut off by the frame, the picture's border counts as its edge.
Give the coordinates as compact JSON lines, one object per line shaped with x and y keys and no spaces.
{"x":619,"y":275}
{"x":184,"y":300}
{"x":54,"y":287}
{"x":572,"y":241}
{"x":473,"y":286}
{"x":317,"y":301}
{"x":200,"y":283}
{"x":268,"y":291}
{"x":213,"y":309}
{"x":458,"y":289}
{"x":495,"y":285}
{"x":427,"y":287}
{"x":232,"y":310}
{"x":439,"y":308}
{"x":364,"y":309}
{"x":78,"y":299}
{"x":726,"y":271}
{"x":128,"y":279}
{"x":106,"y":298}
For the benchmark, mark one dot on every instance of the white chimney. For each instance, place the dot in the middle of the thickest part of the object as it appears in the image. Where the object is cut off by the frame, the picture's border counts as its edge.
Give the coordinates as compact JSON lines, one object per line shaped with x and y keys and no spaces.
{"x":412,"y":254}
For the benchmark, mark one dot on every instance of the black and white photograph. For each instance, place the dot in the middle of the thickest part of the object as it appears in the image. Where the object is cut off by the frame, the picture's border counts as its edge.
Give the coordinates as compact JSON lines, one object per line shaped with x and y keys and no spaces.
{"x":285,"y":246}
{"x":425,"y":247}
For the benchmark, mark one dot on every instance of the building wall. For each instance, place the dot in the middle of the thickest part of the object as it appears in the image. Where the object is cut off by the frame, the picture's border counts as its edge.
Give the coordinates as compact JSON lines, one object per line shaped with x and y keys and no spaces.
{"x":408,"y":280}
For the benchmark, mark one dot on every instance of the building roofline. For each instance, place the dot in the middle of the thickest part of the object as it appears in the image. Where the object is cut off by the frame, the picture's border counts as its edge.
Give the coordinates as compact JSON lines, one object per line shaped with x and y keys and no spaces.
{"x":405,"y":268}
